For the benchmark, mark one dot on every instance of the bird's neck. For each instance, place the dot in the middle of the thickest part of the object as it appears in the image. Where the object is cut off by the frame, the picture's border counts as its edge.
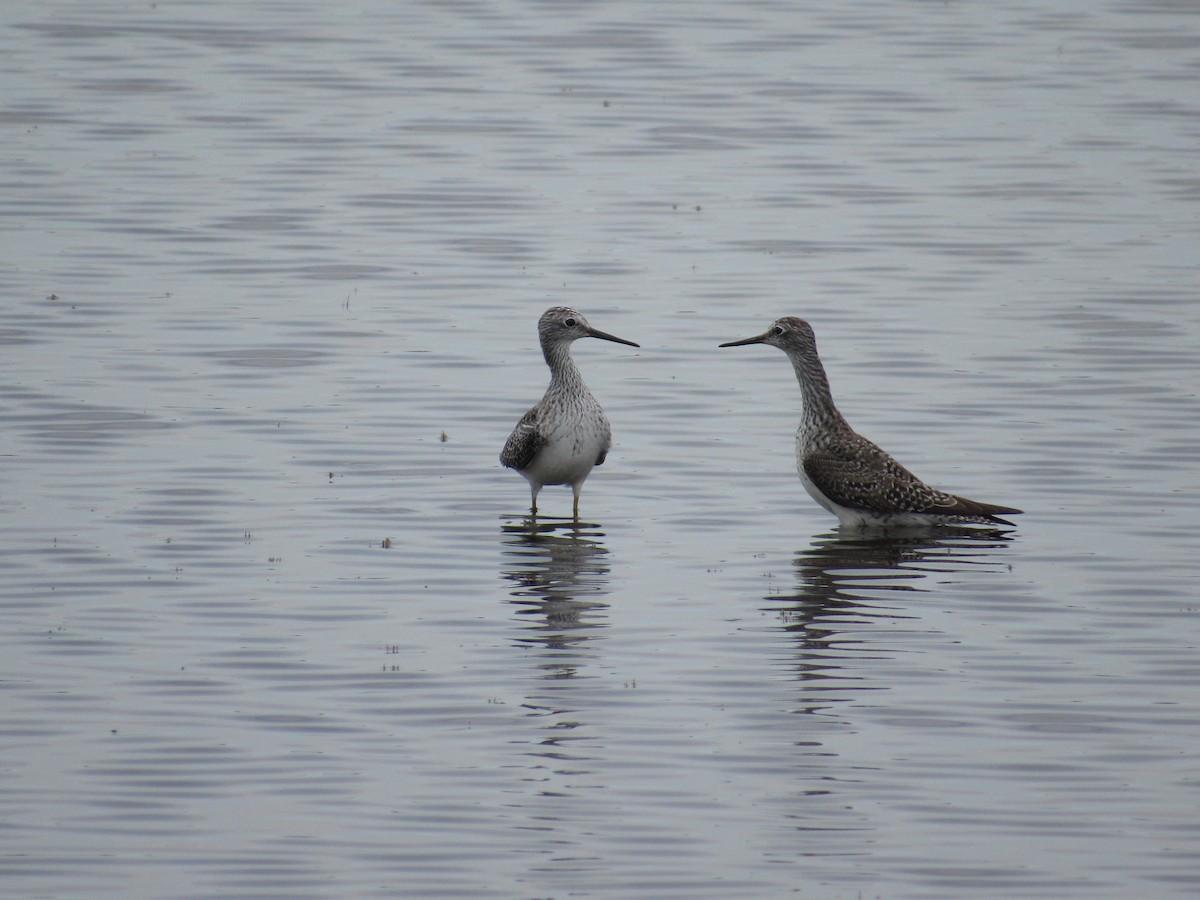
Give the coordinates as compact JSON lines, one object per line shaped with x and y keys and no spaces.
{"x":564,"y":375}
{"x":819,"y":411}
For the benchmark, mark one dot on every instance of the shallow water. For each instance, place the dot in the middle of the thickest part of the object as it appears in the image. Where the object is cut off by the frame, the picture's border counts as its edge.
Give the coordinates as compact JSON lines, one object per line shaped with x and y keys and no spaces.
{"x":273,"y":621}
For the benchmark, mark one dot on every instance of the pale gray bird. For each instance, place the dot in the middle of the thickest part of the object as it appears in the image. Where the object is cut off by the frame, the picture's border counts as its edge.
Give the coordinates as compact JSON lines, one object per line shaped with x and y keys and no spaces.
{"x":848,"y":474}
{"x":566,"y":435}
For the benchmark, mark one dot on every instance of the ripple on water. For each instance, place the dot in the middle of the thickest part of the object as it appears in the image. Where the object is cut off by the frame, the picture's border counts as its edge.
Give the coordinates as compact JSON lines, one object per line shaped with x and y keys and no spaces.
{"x":274,"y":621}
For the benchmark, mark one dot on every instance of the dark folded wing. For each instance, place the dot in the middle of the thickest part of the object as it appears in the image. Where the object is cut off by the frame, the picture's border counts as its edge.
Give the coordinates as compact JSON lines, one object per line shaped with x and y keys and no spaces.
{"x":856,"y":482}
{"x":871,"y":480}
{"x":524,"y":443}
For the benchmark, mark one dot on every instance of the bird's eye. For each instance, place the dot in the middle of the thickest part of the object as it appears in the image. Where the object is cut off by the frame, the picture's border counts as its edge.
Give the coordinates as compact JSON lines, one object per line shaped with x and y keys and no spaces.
{"x":570,"y":322}
{"x":778,"y":329}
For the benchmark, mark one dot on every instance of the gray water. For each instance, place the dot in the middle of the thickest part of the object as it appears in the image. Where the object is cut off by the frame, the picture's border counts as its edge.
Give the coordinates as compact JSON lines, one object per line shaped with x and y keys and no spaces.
{"x":271,"y":622}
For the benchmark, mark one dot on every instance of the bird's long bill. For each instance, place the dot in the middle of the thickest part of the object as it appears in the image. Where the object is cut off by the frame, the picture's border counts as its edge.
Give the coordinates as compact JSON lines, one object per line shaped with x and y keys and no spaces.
{"x":757,"y":339}
{"x":605,"y":336}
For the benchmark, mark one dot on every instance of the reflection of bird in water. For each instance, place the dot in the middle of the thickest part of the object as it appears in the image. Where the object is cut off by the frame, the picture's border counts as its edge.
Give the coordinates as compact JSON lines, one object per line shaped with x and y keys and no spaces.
{"x":843,"y":583}
{"x":839,"y":564}
{"x":559,"y":579}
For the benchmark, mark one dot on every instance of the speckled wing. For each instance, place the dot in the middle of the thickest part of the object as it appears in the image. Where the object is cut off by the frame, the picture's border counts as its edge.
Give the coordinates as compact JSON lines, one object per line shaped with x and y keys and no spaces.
{"x":867,"y":478}
{"x":524,"y":443}
{"x":855,"y":482}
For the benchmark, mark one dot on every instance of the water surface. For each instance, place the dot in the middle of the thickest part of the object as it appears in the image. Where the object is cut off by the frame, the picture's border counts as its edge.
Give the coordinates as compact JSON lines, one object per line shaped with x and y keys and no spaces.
{"x":274,"y":623}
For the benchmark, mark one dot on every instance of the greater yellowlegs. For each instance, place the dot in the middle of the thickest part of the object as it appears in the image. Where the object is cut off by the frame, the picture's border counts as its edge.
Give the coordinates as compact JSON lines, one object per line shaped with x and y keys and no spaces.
{"x":561,"y":439}
{"x":848,"y":474}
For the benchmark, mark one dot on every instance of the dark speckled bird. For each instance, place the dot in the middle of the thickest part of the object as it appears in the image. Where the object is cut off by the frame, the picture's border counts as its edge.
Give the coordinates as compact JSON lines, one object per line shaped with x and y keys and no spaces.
{"x":846,"y":473}
{"x":566,"y":435}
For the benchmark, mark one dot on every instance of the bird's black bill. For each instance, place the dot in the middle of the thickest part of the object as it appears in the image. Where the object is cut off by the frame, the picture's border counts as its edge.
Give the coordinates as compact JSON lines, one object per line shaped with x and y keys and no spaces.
{"x":754,"y":340}
{"x":605,"y":336}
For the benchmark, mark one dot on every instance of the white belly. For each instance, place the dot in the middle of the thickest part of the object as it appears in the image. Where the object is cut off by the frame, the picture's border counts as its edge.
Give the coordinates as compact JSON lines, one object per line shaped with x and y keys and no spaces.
{"x":815,"y":493}
{"x":570,"y":452}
